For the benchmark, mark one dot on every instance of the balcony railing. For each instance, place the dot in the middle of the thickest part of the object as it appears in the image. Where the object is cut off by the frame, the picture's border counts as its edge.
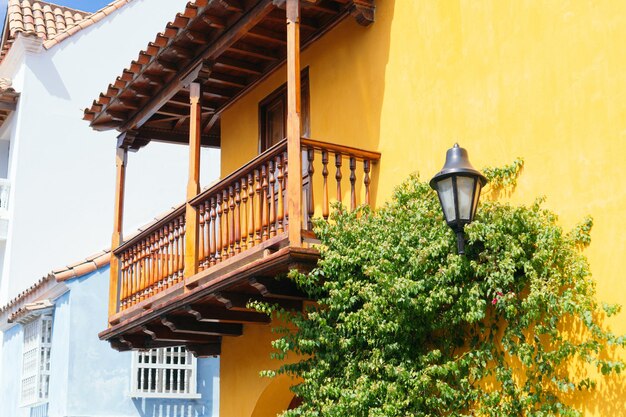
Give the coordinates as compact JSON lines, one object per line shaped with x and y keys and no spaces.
{"x":241,"y":212}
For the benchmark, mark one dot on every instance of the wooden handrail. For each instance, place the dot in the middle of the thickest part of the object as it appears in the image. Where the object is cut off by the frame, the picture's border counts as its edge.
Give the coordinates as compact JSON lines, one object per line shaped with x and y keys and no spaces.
{"x":273,"y":151}
{"x":359,"y":154}
{"x":158,"y":224}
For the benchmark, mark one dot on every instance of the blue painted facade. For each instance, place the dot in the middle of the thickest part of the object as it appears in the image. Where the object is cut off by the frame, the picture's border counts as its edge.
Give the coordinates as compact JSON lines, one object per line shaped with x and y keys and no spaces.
{"x":88,"y":378}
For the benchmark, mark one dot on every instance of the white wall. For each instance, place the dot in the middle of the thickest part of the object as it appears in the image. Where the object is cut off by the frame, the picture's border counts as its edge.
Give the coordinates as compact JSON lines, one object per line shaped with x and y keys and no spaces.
{"x":62,"y":171}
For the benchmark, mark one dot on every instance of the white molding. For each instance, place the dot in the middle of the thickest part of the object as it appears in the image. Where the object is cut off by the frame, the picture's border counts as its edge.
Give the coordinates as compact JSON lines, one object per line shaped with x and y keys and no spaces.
{"x":22,"y":46}
{"x":50,"y":290}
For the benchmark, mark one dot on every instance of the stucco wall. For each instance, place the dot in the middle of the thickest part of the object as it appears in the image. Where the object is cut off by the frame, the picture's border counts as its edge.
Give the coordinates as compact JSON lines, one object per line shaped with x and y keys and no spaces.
{"x":88,"y":378}
{"x":542,"y":80}
{"x":62,"y":171}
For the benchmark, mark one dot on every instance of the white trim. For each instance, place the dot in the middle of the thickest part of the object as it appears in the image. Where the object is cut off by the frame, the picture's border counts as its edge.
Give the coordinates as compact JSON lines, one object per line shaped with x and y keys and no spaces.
{"x":22,"y":45}
{"x":35,"y":379}
{"x":51,"y":290}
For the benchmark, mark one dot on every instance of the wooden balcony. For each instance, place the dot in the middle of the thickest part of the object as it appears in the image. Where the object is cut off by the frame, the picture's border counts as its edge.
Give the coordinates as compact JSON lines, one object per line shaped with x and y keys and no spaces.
{"x":174,"y":288}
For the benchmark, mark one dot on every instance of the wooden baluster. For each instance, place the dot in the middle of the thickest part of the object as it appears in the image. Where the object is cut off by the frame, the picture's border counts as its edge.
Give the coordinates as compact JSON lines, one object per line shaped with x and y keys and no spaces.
{"x":325,"y":209}
{"x":162,"y":260}
{"x":182,"y":224}
{"x":272,"y":199}
{"x":206,"y":236}
{"x":285,"y":182}
{"x":129,"y":276}
{"x":280,"y":210}
{"x":264,"y":202}
{"x":251,"y":210}
{"x":231,"y":221}
{"x":237,"y":217}
{"x":153,"y":263}
{"x":166,"y":257}
{"x":258,"y":206}
{"x":338,"y":176}
{"x":214,"y":257}
{"x":352,"y":183}
{"x":177,"y":258}
{"x":310,"y":156}
{"x":201,"y":238}
{"x":128,"y":285}
{"x":244,"y":217}
{"x":220,"y":228}
{"x":134,"y":279}
{"x":367,"y":180}
{"x":225,"y":241}
{"x":173,"y":254}
{"x":123,"y":279}
{"x":144,"y":270}
{"x":138,"y":271}
{"x":146,"y":263}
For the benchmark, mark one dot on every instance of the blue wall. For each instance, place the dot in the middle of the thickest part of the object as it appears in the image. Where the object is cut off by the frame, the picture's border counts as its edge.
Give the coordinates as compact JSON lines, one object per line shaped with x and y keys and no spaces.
{"x":88,"y":377}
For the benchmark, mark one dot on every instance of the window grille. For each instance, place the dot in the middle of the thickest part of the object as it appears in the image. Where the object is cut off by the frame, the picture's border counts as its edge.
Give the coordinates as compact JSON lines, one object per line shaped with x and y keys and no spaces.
{"x":164,"y":373}
{"x":36,"y":360}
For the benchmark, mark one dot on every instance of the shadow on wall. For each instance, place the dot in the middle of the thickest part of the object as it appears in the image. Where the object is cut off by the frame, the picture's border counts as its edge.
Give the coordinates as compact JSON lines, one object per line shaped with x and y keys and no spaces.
{"x":48,"y":75}
{"x":157,"y":407}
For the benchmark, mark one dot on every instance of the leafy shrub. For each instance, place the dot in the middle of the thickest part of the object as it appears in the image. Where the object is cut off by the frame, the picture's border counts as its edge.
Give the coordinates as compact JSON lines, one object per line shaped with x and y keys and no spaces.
{"x":406,"y":327}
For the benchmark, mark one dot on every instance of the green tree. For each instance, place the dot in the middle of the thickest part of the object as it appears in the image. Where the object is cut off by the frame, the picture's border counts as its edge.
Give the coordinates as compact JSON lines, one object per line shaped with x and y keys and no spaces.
{"x":406,"y":327}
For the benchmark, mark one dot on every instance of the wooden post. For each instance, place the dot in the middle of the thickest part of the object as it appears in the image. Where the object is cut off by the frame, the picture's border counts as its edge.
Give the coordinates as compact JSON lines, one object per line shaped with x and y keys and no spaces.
{"x":193,"y":184}
{"x":294,"y":184}
{"x":116,"y":238}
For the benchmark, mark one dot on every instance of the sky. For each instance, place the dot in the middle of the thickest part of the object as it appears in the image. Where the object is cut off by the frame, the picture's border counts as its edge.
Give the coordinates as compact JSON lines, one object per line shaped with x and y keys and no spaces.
{"x":85,"y":5}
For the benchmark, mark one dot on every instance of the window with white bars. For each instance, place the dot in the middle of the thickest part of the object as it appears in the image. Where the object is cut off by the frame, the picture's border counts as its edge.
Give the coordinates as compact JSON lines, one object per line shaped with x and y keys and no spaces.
{"x":164,"y":373}
{"x":36,"y":360}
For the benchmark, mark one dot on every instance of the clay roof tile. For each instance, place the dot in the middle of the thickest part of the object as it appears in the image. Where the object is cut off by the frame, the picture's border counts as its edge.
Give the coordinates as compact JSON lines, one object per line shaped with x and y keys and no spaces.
{"x":50,"y":22}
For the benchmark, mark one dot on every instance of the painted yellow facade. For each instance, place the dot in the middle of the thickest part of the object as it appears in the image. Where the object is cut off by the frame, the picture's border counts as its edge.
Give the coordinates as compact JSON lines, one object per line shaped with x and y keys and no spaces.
{"x":545,"y":81}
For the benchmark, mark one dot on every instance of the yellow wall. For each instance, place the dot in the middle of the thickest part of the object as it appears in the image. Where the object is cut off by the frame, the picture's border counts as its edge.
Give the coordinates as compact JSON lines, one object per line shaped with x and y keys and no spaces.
{"x":505,"y":78}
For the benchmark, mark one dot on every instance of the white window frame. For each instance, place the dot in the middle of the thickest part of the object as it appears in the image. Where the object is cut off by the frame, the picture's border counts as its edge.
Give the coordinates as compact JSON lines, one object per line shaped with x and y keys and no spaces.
{"x":36,"y":349}
{"x":169,"y":372}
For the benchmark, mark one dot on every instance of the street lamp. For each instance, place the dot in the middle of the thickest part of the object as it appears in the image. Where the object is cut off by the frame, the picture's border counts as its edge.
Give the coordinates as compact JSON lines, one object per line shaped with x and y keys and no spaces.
{"x":458,"y":185}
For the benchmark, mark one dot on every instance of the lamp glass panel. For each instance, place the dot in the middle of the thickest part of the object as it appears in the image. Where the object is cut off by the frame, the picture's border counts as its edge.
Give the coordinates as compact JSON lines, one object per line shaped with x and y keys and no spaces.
{"x":446,"y":195}
{"x":465,"y":191}
{"x":476,"y":197}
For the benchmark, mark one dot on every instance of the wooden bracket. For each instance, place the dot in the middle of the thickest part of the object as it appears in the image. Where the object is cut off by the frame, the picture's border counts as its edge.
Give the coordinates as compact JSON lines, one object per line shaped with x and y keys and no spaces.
{"x":363,"y":11}
{"x":126,"y":139}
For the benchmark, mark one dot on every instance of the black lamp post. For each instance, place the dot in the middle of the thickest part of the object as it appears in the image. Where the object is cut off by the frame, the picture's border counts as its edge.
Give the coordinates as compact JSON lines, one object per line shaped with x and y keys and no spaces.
{"x":458,"y":185}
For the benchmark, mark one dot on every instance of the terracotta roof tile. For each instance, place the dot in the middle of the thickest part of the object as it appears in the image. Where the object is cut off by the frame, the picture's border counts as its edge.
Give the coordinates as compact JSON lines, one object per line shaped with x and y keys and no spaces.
{"x":82,"y":267}
{"x":37,"y":285}
{"x":50,"y":22}
{"x":8,"y":96}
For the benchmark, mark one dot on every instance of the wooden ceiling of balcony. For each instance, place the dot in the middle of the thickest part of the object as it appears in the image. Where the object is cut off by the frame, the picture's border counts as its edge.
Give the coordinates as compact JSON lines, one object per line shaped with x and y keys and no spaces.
{"x":227,"y":45}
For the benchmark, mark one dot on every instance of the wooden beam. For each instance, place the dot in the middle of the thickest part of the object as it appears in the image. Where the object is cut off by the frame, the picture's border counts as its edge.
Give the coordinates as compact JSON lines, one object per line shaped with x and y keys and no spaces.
{"x":205,"y":350}
{"x":209,"y":313}
{"x":228,"y":80}
{"x":294,"y":184}
{"x":118,"y":218}
{"x":274,"y":288}
{"x":240,"y":66}
{"x":267,"y":36}
{"x":254,"y":51}
{"x":231,"y":35}
{"x":162,"y":135}
{"x":240,"y":301}
{"x":189,"y":325}
{"x":160,"y":333}
{"x":193,"y":182}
